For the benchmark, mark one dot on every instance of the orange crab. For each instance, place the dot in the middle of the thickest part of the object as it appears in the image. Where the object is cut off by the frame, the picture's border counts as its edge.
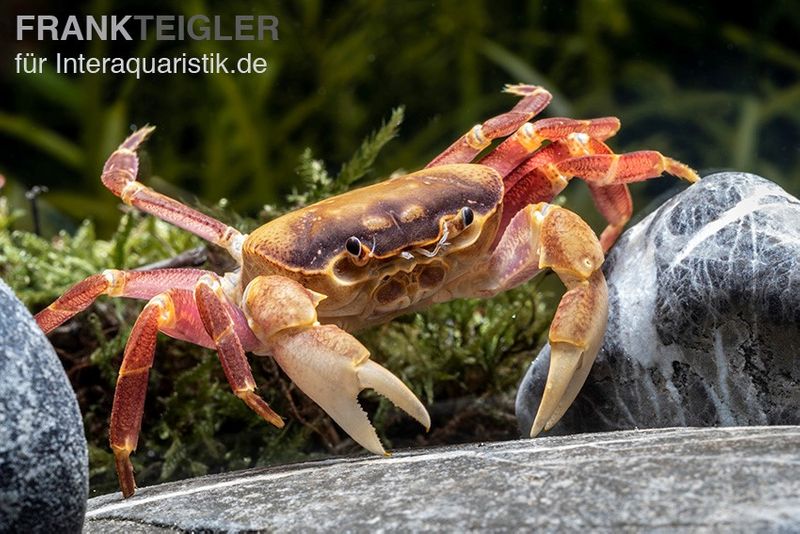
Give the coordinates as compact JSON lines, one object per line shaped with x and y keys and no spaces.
{"x":307,"y":279}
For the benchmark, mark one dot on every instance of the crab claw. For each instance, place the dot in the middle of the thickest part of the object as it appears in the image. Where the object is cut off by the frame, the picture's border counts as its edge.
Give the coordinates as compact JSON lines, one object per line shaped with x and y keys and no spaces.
{"x":575,"y":337}
{"x":569,"y":367}
{"x":332,"y":367}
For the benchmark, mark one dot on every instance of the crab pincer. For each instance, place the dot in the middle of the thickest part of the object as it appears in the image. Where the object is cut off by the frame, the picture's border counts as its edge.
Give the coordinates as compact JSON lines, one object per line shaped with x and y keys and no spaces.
{"x":575,"y":336}
{"x":557,"y":239}
{"x":325,"y":362}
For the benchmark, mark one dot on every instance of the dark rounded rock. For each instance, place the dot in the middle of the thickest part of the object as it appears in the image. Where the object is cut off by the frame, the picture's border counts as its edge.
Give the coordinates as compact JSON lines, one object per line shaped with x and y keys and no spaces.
{"x":714,"y":479}
{"x":704,"y":317}
{"x":44,"y":474}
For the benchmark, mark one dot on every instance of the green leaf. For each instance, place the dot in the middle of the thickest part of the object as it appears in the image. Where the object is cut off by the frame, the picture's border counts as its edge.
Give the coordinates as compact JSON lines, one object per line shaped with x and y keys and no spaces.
{"x":361,"y":162}
{"x":317,"y":182}
{"x":46,"y":140}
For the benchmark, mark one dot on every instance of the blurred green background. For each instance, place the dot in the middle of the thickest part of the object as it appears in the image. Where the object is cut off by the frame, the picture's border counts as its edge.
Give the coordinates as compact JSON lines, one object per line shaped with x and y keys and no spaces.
{"x":714,"y":86}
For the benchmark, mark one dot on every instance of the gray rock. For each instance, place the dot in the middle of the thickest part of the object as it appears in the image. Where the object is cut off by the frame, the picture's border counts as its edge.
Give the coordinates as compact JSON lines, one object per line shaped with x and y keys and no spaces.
{"x":704,"y":317}
{"x":44,"y":473}
{"x":731,"y":479}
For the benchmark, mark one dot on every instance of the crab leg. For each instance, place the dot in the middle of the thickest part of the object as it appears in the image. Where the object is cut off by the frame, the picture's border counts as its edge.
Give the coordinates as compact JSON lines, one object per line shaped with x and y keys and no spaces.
{"x":534,"y":100}
{"x":534,"y":181}
{"x":134,"y":284}
{"x":531,"y":136}
{"x":527,"y":184}
{"x":324,"y":361}
{"x":129,"y":395}
{"x":546,"y":236}
{"x":607,"y":174}
{"x":175,"y":313}
{"x":613,"y":201}
{"x":611,"y":169}
{"x":615,"y":204}
{"x":119,"y":175}
{"x":221,"y":327}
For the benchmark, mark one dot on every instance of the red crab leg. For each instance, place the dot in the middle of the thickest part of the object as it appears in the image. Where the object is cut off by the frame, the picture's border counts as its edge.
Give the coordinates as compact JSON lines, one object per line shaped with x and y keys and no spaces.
{"x":214,"y":312}
{"x":195,"y":316}
{"x":129,"y":395}
{"x":531,"y":182}
{"x":145,"y":285}
{"x":530,"y":137}
{"x":607,"y":175}
{"x":615,"y":204}
{"x":534,"y":100}
{"x":325,"y":362}
{"x":189,"y":326}
{"x":545,"y":236}
{"x":134,"y":284}
{"x":610,"y":169}
{"x":119,"y":175}
{"x":613,"y":201}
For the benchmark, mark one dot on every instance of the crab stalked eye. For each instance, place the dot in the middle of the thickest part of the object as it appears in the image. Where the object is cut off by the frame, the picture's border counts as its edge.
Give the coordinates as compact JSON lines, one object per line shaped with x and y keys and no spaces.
{"x":467,"y":216}
{"x":353,"y":246}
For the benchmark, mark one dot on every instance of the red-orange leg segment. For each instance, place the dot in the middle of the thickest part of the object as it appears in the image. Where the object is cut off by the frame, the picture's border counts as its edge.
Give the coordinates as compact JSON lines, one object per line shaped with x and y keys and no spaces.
{"x":528,"y":184}
{"x":212,"y":305}
{"x":531,"y":136}
{"x":119,"y":176}
{"x":614,"y":201}
{"x":545,"y":174}
{"x":126,"y":414}
{"x":134,"y":284}
{"x":75,"y":300}
{"x":536,"y":180}
{"x":607,"y":174}
{"x":611,"y":169}
{"x":616,"y":206}
{"x":534,"y":100}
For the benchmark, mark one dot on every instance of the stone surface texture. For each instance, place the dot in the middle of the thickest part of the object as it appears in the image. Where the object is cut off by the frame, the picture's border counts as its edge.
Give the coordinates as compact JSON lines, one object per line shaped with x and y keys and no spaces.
{"x":723,"y":479}
{"x":704,"y":317}
{"x":44,"y":478}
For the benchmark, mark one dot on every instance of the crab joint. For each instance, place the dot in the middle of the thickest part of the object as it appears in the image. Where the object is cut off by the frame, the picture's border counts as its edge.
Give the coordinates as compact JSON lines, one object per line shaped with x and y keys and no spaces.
{"x":213,"y":283}
{"x":521,"y":89}
{"x":578,"y":144}
{"x":116,"y":282}
{"x":129,"y":190}
{"x":476,"y":139}
{"x":528,"y":137}
{"x":233,"y":241}
{"x":556,"y":178}
{"x":274,"y":303}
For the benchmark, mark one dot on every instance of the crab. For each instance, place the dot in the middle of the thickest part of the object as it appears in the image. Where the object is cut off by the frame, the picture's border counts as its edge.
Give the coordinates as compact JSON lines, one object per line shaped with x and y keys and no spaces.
{"x":308,"y":279}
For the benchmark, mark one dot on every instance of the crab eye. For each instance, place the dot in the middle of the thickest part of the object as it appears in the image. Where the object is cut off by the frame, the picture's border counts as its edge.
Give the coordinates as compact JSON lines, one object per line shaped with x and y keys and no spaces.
{"x":353,"y":246}
{"x":467,"y":216}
